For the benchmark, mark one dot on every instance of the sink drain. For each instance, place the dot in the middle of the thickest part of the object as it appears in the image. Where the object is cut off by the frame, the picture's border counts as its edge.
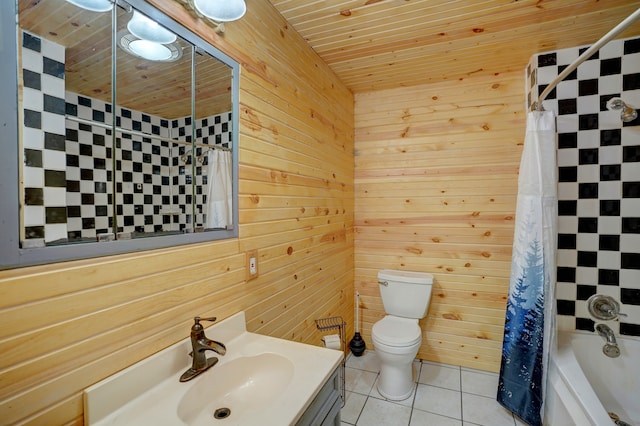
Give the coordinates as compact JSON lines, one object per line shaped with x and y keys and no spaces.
{"x":221,"y":413}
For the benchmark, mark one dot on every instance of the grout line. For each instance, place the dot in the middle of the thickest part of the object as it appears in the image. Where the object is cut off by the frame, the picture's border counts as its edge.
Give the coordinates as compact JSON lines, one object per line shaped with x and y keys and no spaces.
{"x":362,"y":410}
{"x":461,"y":400}
{"x":415,"y":393}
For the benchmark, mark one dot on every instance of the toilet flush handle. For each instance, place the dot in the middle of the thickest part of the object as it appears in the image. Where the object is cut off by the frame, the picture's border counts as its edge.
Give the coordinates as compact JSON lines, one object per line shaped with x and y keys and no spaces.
{"x":384,"y":283}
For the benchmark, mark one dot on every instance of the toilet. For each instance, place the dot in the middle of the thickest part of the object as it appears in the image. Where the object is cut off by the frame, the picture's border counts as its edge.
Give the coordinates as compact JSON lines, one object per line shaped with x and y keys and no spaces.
{"x":397,"y":337}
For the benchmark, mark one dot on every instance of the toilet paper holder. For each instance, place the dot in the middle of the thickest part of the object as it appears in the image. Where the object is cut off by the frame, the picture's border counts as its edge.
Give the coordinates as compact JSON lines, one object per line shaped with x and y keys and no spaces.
{"x":332,"y":341}
{"x":332,"y":323}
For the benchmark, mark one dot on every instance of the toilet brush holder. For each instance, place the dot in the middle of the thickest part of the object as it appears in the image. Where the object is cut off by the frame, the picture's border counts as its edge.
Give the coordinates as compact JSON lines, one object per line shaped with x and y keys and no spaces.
{"x":357,"y":345}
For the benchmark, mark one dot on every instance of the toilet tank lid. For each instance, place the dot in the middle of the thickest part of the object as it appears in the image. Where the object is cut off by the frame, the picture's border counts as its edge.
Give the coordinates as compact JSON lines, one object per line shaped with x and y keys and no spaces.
{"x":406,"y":276}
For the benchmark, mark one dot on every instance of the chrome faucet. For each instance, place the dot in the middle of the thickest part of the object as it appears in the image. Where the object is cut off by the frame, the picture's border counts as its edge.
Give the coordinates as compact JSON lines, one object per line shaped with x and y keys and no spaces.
{"x":607,"y":334}
{"x":610,"y":348}
{"x":604,"y":307}
{"x":200,"y":345}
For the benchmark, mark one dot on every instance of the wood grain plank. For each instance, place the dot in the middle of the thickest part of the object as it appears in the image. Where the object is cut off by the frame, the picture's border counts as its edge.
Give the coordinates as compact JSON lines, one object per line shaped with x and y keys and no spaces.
{"x":435,"y":191}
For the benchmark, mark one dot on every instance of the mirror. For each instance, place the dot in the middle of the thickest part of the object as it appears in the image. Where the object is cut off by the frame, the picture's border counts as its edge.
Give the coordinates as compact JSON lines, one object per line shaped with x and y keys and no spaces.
{"x":117,"y":150}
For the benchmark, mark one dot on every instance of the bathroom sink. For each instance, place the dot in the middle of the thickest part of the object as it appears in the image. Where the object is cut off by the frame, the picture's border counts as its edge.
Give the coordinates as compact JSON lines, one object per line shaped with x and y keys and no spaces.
{"x":260,"y":380}
{"x":239,"y":388}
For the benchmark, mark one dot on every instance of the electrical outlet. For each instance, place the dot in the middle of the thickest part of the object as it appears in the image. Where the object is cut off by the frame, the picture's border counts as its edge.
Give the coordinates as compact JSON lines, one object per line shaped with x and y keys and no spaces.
{"x":251,"y":260}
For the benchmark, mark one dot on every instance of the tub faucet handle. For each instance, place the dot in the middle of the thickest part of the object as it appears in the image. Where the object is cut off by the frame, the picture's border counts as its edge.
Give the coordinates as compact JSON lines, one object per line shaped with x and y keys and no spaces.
{"x":604,"y":307}
{"x":613,"y":310}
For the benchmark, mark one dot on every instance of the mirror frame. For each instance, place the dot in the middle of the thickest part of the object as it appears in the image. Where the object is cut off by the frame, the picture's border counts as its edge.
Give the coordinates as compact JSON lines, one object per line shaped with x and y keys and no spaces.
{"x":11,"y":255}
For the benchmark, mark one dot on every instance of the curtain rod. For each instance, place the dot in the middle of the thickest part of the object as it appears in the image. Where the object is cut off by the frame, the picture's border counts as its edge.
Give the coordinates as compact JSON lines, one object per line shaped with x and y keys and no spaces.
{"x":537,"y":105}
{"x":143,"y":134}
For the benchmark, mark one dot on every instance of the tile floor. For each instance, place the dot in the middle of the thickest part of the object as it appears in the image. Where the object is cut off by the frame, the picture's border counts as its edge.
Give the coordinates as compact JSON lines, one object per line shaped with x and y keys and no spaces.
{"x":444,"y":395}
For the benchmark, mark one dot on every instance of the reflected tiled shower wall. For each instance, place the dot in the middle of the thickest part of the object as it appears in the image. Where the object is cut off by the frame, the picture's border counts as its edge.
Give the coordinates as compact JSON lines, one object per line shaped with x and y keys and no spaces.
{"x":68,"y":171}
{"x":43,"y":136}
{"x":599,"y":180}
{"x":143,"y":168}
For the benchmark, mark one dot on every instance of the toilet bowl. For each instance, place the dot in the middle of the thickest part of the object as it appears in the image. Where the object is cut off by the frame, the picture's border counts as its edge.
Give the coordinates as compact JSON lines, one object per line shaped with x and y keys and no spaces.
{"x":396,"y":341}
{"x":397,"y":337}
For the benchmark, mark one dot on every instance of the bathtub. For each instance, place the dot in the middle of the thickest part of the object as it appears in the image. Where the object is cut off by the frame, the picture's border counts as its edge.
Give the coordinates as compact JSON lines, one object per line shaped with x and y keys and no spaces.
{"x":584,"y":384}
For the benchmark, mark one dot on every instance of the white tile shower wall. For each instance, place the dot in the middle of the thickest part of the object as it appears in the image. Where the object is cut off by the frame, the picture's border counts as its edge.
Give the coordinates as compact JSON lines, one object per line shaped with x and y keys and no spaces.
{"x":68,"y":170}
{"x":214,"y":130}
{"x":599,"y":180}
{"x":142,"y":170}
{"x":154,"y":190}
{"x":183,"y":169}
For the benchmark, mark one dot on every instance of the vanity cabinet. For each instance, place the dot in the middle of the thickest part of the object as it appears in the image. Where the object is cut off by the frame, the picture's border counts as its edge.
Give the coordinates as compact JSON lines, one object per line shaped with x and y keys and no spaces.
{"x":325,"y":408}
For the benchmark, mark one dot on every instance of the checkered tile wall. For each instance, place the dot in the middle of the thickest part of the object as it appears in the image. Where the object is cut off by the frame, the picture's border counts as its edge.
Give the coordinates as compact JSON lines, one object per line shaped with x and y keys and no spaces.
{"x":43,"y":129}
{"x":599,"y":180}
{"x":69,"y":165}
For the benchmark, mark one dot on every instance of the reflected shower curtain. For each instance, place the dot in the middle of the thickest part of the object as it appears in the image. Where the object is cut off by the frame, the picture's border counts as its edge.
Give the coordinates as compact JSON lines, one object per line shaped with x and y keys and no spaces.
{"x":219,"y":189}
{"x":529,"y":331}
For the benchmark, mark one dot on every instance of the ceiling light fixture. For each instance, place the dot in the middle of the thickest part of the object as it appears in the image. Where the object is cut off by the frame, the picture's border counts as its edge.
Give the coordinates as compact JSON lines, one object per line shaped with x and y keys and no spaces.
{"x":148,"y":50}
{"x":147,"y":29}
{"x":93,"y":5}
{"x":221,"y":10}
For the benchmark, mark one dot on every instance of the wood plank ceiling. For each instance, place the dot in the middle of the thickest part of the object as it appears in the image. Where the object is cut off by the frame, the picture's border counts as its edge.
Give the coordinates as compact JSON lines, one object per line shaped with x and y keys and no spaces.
{"x":381,"y":44}
{"x":370,"y":44}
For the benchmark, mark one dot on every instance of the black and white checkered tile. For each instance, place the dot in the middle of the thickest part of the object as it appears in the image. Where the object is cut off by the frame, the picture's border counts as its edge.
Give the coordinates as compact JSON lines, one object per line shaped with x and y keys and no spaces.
{"x":89,"y":171}
{"x":69,"y":165}
{"x":44,"y":208}
{"x":599,"y":180}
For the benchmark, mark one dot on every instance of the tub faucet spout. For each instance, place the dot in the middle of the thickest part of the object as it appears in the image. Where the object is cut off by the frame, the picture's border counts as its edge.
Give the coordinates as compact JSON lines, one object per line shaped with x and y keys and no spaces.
{"x":610,"y":348}
{"x":606,"y":333}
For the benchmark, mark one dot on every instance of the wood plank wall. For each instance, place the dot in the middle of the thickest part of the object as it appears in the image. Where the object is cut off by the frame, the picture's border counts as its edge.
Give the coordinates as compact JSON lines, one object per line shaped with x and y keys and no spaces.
{"x":68,"y":325}
{"x":435,"y":191}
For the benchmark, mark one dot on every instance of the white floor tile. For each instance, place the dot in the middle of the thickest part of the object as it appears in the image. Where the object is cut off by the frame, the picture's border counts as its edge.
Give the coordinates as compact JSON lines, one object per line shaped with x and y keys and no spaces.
{"x":352,"y":407}
{"x":480,"y":383}
{"x":359,"y":381}
{"x":377,"y":412}
{"x":445,"y":395}
{"x":441,"y":376}
{"x":519,"y":422}
{"x":485,"y":411}
{"x":423,"y":418}
{"x":417,"y":366}
{"x":367,"y":361}
{"x":437,"y":400}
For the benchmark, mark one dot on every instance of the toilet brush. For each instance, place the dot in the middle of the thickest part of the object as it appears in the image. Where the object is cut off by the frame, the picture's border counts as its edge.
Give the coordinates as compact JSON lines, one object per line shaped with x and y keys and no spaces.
{"x":357,"y":344}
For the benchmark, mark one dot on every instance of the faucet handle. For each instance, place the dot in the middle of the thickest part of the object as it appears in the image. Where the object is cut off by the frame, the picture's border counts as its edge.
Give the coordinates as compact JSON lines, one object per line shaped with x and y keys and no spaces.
{"x":198,"y":319}
{"x":196,"y":327}
{"x":604,"y":307}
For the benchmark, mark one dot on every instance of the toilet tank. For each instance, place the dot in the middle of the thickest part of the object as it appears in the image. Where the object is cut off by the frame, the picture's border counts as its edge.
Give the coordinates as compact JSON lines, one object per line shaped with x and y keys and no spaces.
{"x":405,"y":293}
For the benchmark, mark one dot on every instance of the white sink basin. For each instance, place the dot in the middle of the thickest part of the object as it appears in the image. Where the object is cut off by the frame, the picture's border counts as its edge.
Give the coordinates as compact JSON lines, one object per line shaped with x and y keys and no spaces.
{"x":260,"y":381}
{"x":240,"y":388}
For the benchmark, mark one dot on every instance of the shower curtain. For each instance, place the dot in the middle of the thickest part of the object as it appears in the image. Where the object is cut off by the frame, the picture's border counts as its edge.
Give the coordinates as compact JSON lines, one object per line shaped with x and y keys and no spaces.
{"x":529,"y":331}
{"x":219,"y":189}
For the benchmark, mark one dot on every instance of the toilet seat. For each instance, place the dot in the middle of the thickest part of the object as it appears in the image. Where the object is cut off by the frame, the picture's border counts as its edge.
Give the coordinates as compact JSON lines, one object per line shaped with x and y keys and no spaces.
{"x":397,"y":332}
